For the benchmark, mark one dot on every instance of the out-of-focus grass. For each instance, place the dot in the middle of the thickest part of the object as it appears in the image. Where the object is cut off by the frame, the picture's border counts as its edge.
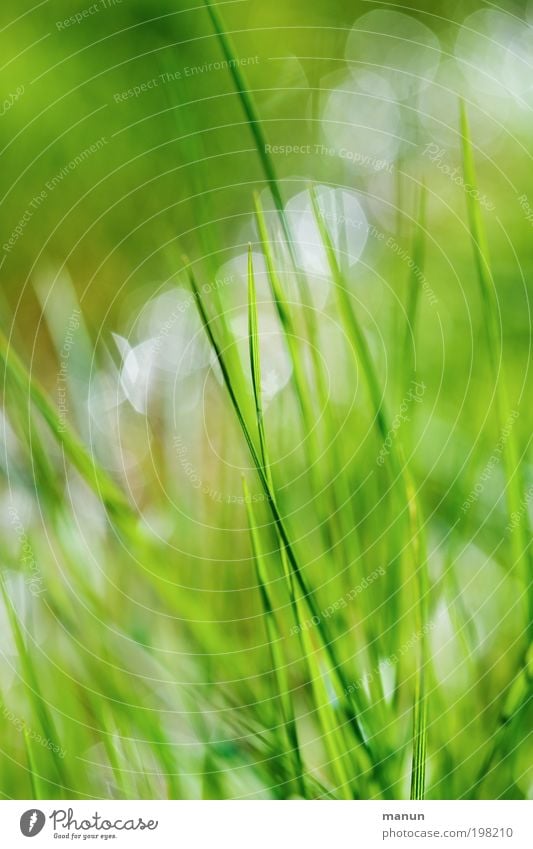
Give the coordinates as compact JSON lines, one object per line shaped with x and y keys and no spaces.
{"x":342,"y":629}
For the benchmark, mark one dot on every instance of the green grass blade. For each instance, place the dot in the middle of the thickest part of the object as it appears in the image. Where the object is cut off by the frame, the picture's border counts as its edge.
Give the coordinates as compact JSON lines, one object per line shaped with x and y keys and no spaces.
{"x":520,"y":533}
{"x":37,"y":791}
{"x":350,"y":320}
{"x":311,"y":442}
{"x":249,"y":110}
{"x":420,"y":718}
{"x":255,"y":365}
{"x":333,"y":738}
{"x":17,"y":374}
{"x":401,"y":473}
{"x":413,"y":290}
{"x":256,"y":130}
{"x":517,"y":700}
{"x":287,"y":547}
{"x":289,"y":329}
{"x":271,"y":179}
{"x":328,"y":717}
{"x":31,"y":680}
{"x":279,"y":663}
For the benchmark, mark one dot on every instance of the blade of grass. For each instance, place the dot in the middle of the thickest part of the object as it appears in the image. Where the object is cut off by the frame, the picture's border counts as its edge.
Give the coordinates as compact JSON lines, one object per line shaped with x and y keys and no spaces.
{"x":270,"y":175}
{"x":255,"y":366}
{"x":420,"y":721}
{"x":279,"y":664}
{"x":37,"y":791}
{"x":273,"y":184}
{"x":413,"y":291}
{"x":333,"y":734}
{"x":311,"y":442}
{"x":518,"y":698}
{"x":36,"y":453}
{"x":350,"y":320}
{"x":17,"y":374}
{"x":520,"y":532}
{"x":31,"y":681}
{"x":401,"y":473}
{"x":295,"y":569}
{"x":249,"y":110}
{"x":514,"y":490}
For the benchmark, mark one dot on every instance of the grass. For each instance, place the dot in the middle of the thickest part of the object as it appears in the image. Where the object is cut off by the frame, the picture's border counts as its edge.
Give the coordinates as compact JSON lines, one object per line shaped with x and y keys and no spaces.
{"x":274,"y":614}
{"x":515,"y":489}
{"x":520,"y":689}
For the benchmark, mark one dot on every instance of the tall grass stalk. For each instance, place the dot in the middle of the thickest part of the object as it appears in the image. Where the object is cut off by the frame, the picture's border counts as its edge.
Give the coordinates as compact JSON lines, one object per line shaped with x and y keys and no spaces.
{"x":400,"y":477}
{"x":414,"y":286}
{"x":256,"y":128}
{"x":296,"y":572}
{"x":520,"y":533}
{"x":329,"y":718}
{"x":311,"y":440}
{"x":17,"y":377}
{"x":520,"y":690}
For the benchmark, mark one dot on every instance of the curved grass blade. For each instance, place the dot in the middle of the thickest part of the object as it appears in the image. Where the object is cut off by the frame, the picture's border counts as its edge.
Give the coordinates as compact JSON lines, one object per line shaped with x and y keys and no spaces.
{"x":259,"y":139}
{"x":273,"y":184}
{"x":17,"y":375}
{"x":413,"y":290}
{"x":275,"y":642}
{"x":518,"y":699}
{"x":249,"y":111}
